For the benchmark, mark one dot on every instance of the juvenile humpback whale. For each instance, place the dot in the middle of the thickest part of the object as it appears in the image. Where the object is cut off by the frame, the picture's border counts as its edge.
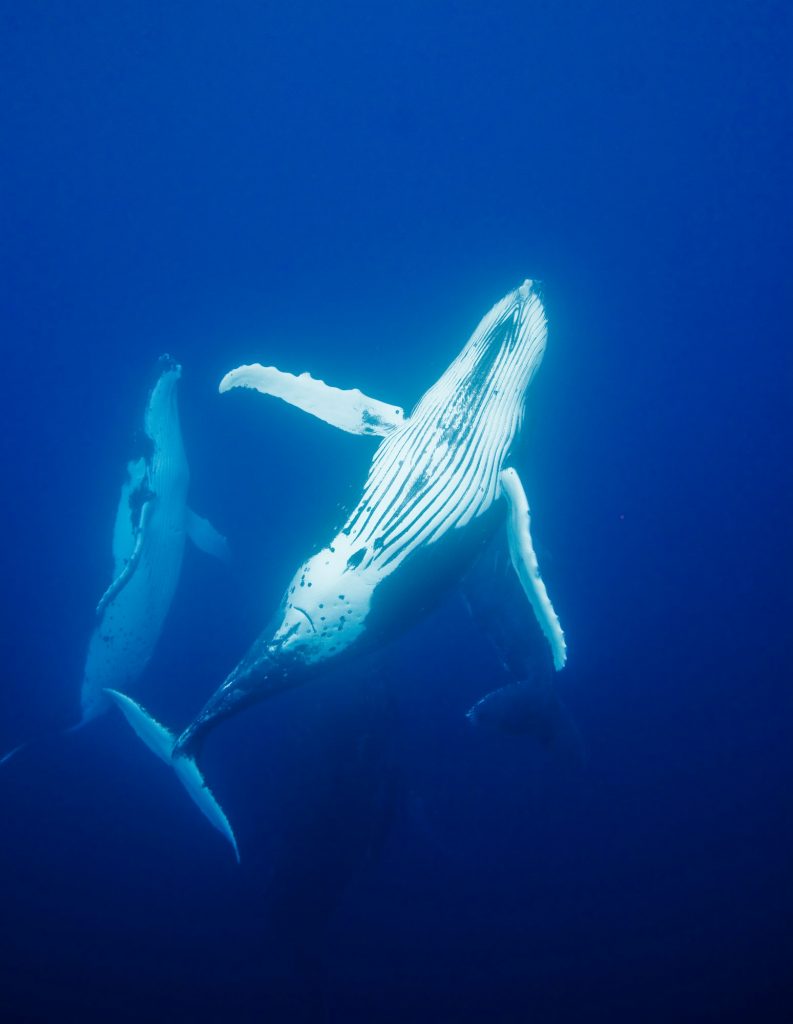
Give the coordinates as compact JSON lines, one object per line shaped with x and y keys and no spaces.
{"x":151,"y":526}
{"x":437,"y":488}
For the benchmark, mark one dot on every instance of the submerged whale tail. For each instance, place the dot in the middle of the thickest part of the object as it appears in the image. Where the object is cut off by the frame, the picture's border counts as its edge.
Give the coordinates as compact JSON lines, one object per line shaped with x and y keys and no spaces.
{"x":161,"y":741}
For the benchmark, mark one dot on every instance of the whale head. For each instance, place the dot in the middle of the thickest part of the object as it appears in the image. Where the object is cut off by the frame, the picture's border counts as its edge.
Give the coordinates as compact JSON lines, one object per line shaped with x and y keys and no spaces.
{"x":162,"y":428}
{"x":162,"y":410}
{"x":488,"y":381}
{"x":506,"y":349}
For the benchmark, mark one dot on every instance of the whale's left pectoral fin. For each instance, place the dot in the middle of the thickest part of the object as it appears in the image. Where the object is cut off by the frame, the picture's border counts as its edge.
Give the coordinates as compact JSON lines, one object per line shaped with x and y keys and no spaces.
{"x":349,"y":410}
{"x":206,"y":538}
{"x":524,"y":559}
{"x":161,"y":740}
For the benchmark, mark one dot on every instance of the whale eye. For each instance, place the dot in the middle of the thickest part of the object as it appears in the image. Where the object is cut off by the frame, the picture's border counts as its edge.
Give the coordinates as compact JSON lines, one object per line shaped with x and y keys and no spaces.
{"x":356,"y":558}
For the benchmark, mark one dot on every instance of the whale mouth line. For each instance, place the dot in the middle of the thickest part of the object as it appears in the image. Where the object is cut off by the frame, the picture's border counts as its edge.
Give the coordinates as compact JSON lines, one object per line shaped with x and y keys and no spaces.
{"x":304,"y":612}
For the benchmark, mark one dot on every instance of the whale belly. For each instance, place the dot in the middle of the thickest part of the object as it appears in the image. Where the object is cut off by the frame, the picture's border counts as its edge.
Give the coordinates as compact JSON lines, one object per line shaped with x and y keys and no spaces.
{"x":336,"y":604}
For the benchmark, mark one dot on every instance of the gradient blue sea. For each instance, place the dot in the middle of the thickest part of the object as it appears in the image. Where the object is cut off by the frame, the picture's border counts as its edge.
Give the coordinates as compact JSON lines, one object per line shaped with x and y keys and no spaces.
{"x":346,"y":188}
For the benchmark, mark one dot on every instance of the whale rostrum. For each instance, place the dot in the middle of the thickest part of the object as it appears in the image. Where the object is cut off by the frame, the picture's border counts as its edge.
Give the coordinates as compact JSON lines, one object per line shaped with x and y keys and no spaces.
{"x":438,"y":488}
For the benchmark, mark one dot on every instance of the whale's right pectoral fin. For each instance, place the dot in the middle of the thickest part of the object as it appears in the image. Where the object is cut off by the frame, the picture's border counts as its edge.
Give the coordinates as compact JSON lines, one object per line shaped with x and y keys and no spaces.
{"x":524,"y":559}
{"x":349,"y":410}
{"x":160,"y":740}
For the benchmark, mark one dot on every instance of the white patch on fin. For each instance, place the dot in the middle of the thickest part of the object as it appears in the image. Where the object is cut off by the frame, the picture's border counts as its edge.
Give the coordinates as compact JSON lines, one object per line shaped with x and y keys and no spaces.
{"x":526,"y":566}
{"x":349,"y":410}
{"x":160,"y":740}
{"x":206,"y":538}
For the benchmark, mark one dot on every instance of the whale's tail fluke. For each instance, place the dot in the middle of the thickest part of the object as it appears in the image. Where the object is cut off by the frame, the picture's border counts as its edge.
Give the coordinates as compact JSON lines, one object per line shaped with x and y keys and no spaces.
{"x":533,"y":708}
{"x":161,"y":741}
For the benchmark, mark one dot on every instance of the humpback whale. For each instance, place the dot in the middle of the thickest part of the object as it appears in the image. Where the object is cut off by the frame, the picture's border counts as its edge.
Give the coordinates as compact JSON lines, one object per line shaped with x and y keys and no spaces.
{"x":152,"y":523}
{"x":438,"y":488}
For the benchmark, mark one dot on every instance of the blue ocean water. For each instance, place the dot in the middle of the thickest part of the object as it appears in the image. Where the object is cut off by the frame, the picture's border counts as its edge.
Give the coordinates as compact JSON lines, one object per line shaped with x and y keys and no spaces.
{"x":345,"y":189}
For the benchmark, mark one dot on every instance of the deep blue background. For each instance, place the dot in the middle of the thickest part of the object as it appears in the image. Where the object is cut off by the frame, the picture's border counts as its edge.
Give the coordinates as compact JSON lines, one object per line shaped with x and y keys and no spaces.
{"x":346,"y":188}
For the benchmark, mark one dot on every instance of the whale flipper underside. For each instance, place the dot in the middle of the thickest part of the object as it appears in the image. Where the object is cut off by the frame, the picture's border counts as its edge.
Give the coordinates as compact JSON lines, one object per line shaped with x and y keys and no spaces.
{"x":206,"y":538}
{"x":524,"y":559}
{"x":160,"y":740}
{"x":349,"y":410}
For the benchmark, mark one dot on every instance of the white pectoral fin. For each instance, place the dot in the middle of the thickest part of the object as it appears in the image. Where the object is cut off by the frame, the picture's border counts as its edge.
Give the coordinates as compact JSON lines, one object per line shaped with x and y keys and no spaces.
{"x":349,"y":410}
{"x":526,"y":566}
{"x":206,"y":538}
{"x":124,"y":528}
{"x":161,"y":740}
{"x":125,"y":575}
